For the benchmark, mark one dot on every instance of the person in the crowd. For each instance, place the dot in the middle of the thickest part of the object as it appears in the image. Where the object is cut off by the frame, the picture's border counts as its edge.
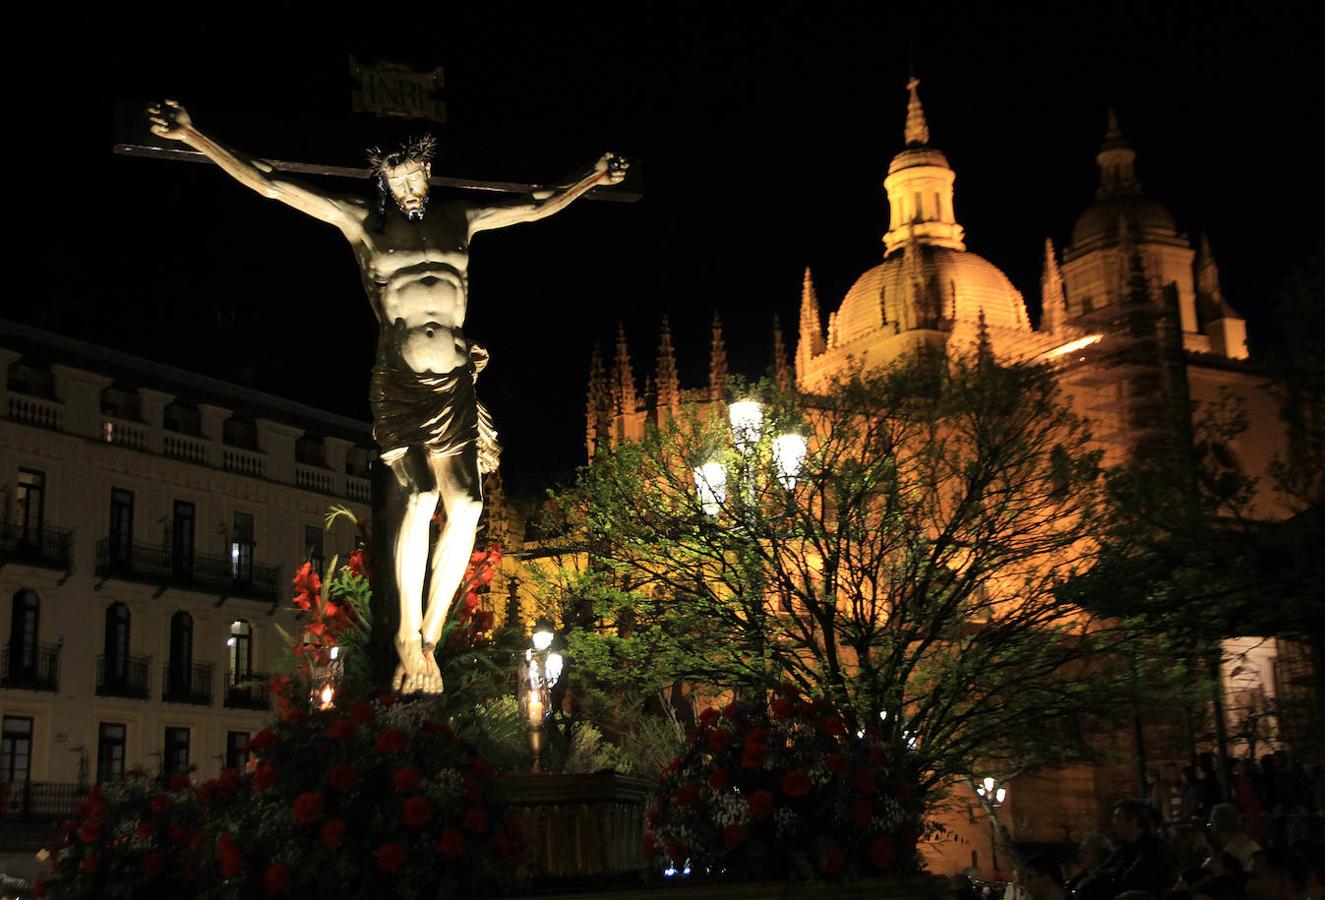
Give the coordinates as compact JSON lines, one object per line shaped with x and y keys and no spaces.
{"x":1188,"y":846}
{"x":1141,"y":862}
{"x":1248,"y":794}
{"x":1192,"y":806}
{"x":1042,"y":877}
{"x":1226,"y":826}
{"x":1277,"y":874}
{"x":1218,"y":887}
{"x":1088,"y":884}
{"x":1313,"y":854}
{"x":1225,"y":865}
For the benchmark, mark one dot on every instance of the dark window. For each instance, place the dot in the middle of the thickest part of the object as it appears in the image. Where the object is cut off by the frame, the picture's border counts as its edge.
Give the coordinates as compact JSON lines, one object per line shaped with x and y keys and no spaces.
{"x":121,"y":525}
{"x":919,"y":210}
{"x":117,"y":644}
{"x":241,"y":651}
{"x":16,"y":750}
{"x":23,"y":633}
{"x":1087,"y":305}
{"x":175,"y":760}
{"x":241,"y":547}
{"x":181,"y":650}
{"x":236,"y":757}
{"x":30,"y":505}
{"x":182,"y":538}
{"x":313,"y":546}
{"x":110,"y":751}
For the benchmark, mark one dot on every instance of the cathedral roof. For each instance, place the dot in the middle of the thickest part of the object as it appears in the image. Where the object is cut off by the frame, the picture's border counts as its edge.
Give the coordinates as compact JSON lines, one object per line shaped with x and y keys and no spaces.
{"x":1120,"y":198}
{"x":958,"y":283}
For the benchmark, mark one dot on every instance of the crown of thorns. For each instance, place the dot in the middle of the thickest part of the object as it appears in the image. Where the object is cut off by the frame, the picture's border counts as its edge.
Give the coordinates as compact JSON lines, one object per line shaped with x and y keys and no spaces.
{"x":420,"y":149}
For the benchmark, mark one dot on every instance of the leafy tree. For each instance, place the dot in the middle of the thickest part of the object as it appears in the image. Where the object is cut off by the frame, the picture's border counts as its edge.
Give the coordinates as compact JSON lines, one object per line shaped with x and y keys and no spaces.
{"x":910,"y":578}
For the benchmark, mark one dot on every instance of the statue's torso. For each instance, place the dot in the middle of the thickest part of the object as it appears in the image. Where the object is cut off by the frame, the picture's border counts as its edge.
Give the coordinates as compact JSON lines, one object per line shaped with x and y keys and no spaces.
{"x":416,"y":274}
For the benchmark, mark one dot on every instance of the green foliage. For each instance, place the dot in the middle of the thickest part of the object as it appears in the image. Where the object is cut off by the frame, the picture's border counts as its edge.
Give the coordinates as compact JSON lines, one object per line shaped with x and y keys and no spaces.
{"x":913,"y":572}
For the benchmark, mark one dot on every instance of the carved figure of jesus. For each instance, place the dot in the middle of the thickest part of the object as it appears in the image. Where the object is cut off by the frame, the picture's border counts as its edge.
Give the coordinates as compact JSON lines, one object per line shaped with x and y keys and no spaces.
{"x":434,"y":436}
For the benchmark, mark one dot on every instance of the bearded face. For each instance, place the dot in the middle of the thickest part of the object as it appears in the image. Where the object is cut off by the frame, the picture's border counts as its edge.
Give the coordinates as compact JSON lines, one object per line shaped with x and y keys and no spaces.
{"x":408,"y":184}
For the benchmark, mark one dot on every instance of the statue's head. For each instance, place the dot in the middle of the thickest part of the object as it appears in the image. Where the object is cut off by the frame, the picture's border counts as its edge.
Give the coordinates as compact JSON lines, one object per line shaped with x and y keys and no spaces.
{"x":404,"y":174}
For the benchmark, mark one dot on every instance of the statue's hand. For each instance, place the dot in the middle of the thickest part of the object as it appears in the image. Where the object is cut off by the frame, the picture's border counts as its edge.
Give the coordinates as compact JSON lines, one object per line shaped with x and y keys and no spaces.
{"x":612,"y":167}
{"x":169,"y":120}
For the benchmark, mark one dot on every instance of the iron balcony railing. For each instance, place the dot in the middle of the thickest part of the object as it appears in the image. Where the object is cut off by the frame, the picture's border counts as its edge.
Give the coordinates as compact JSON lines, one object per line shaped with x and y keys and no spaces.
{"x":40,"y":799}
{"x":187,"y":684}
{"x":209,"y":574}
{"x":247,"y":691}
{"x":34,"y":668}
{"x":130,"y":676}
{"x":37,"y":546}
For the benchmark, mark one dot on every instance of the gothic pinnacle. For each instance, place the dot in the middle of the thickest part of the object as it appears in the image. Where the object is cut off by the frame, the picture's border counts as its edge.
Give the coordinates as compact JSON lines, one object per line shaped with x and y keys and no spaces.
{"x":917,"y":131}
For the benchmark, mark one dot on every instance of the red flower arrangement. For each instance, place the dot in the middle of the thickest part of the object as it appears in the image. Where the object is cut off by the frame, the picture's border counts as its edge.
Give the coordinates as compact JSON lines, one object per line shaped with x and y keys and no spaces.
{"x":784,"y":791}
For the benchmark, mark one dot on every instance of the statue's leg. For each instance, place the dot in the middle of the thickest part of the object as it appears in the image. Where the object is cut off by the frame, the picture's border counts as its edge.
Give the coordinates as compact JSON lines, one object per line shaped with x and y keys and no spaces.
{"x":460,"y":487}
{"x":415,"y":509}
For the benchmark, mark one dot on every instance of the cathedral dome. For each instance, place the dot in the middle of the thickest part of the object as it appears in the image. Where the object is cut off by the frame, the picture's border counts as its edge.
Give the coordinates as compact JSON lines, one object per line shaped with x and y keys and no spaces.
{"x":1146,"y":220}
{"x":956,"y":284}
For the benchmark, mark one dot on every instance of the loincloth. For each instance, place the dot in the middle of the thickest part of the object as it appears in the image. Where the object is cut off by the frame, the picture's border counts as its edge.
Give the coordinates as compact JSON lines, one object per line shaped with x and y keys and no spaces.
{"x":440,"y":413}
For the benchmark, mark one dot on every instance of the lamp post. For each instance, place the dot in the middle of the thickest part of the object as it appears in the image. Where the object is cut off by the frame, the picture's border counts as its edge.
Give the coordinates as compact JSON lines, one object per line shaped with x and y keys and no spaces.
{"x":787,"y":450}
{"x":992,"y":794}
{"x":542,"y":670}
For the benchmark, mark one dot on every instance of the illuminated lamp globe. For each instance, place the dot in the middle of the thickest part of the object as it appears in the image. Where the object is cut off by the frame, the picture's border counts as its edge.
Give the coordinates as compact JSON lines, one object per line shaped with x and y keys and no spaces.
{"x":747,"y":419}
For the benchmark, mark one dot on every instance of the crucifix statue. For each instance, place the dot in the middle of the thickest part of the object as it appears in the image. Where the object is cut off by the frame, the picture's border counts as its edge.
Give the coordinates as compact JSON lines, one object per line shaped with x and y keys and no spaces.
{"x":434,"y":435}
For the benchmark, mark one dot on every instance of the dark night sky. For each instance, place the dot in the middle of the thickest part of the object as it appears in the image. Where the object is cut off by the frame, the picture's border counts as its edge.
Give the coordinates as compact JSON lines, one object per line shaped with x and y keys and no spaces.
{"x":762,"y":142}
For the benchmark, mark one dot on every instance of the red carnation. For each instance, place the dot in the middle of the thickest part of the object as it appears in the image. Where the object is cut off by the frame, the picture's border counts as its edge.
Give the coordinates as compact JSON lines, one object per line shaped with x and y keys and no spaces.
{"x":361,"y":711}
{"x":882,"y":852}
{"x":332,"y":833}
{"x":229,"y":780}
{"x":341,"y":729}
{"x":261,"y":740}
{"x":97,"y":810}
{"x":153,"y":863}
{"x":838,"y":764}
{"x":708,"y":717}
{"x":805,"y":710}
{"x":783,"y":709}
{"x":756,"y":736}
{"x":232,"y":862}
{"x":357,"y":563}
{"x":718,"y":740}
{"x":832,"y":863}
{"x":307,"y":807}
{"x":732,"y":835}
{"x":451,"y":844}
{"x":862,"y":812}
{"x":405,"y":780}
{"x":832,"y":724}
{"x":342,"y":777}
{"x":224,"y":842}
{"x":91,"y":864}
{"x":144,"y":830}
{"x":179,"y":782}
{"x":390,"y":856}
{"x":796,"y":783}
{"x":179,"y":834}
{"x":416,"y":812}
{"x":265,"y":777}
{"x":89,"y":833}
{"x":391,"y":740}
{"x":753,"y":756}
{"x":275,"y":878}
{"x":761,"y":804}
{"x":476,"y":820}
{"x":159,"y":803}
{"x":719,"y":779}
{"x":864,"y":781}
{"x":686,"y":795}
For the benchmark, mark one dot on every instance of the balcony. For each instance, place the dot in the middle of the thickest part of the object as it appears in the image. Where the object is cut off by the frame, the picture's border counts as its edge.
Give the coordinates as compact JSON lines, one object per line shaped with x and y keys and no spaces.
{"x":248,"y":691}
{"x":33,"y":669}
{"x":187,"y":684}
{"x":130,"y":677}
{"x":50,"y":548}
{"x":206,"y":574}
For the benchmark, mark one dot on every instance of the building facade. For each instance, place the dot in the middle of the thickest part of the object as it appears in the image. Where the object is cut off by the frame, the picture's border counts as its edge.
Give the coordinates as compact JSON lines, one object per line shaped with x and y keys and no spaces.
{"x":152,"y":522}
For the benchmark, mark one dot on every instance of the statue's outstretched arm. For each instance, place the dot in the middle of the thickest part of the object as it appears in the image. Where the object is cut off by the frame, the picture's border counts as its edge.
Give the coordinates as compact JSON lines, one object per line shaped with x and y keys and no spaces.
{"x":170,"y":120}
{"x":610,"y":169}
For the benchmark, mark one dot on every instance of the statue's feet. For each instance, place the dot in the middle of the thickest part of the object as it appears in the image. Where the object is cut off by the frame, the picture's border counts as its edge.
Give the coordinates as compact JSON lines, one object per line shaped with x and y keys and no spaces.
{"x":417,"y":672}
{"x":433,"y":673}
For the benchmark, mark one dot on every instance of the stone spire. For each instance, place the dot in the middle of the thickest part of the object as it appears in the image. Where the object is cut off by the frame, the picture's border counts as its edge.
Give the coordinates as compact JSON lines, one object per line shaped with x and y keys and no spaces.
{"x":598,"y":405}
{"x":1053,"y":302}
{"x":1208,"y":291}
{"x":668,"y":383}
{"x":717,"y":362}
{"x":780,"y":368}
{"x":917,"y":130}
{"x":623,"y":376}
{"x":1117,"y":162}
{"x":810,"y":341}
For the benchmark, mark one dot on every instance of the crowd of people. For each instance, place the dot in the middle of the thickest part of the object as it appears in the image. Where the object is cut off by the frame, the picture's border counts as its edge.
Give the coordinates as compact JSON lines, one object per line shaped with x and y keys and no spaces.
{"x":1151,"y":859}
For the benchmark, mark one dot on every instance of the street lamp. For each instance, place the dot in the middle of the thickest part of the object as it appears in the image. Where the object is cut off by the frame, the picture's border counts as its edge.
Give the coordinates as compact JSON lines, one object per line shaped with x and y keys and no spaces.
{"x":992,"y":794}
{"x":542,"y":671}
{"x":747,"y":424}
